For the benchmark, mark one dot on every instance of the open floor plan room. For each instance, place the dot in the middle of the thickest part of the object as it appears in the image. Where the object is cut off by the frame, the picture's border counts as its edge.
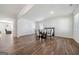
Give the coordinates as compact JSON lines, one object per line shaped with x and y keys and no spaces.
{"x":39,"y":29}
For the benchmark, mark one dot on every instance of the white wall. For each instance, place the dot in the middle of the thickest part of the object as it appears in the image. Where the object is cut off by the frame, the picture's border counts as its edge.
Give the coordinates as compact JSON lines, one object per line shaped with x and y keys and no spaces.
{"x":76,"y":27}
{"x":15,"y":27}
{"x":25,"y":27}
{"x":63,"y":25}
{"x":76,"y":24}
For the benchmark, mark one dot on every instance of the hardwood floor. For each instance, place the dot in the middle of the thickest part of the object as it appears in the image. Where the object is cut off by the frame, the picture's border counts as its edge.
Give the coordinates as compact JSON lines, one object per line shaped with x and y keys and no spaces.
{"x":28,"y":45}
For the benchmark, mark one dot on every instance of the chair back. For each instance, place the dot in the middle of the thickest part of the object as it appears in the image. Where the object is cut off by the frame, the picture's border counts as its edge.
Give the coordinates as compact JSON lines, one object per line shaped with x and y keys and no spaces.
{"x":50,"y":31}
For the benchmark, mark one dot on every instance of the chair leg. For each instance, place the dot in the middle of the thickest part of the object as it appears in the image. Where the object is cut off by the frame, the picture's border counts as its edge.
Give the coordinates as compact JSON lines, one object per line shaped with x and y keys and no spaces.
{"x":50,"y":37}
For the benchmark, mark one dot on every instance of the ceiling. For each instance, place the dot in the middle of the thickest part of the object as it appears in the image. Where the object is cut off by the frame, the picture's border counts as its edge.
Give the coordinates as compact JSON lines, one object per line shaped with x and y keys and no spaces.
{"x":37,"y":12}
{"x":42,"y":11}
{"x":10,"y":10}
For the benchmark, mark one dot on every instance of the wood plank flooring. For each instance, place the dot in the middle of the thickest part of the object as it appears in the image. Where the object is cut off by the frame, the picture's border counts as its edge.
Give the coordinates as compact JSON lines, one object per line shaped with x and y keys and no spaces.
{"x":28,"y":45}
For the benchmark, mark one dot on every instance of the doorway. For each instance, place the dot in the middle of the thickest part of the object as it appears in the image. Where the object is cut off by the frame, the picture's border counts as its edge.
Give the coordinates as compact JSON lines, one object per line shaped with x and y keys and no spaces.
{"x":6,"y":29}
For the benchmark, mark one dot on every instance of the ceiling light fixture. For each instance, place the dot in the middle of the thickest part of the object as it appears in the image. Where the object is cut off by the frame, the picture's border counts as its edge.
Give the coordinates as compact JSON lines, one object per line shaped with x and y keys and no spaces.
{"x":51,"y":12}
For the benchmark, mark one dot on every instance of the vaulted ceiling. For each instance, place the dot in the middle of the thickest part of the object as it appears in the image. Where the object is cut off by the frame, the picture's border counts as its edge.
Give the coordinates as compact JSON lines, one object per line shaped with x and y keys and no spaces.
{"x":36,"y":12}
{"x":39,"y":12}
{"x":10,"y":10}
